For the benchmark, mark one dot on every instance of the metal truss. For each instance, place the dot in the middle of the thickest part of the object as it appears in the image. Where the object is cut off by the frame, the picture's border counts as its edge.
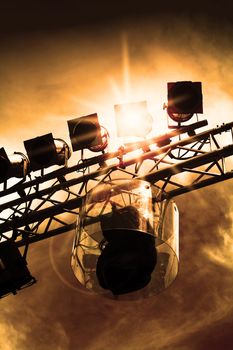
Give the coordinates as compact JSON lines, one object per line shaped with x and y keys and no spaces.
{"x":175,"y":163}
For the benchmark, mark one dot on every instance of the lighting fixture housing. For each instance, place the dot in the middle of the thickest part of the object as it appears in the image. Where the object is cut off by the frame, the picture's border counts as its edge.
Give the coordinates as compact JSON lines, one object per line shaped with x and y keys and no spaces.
{"x":43,"y":152}
{"x":184,"y":99}
{"x":133,"y":119}
{"x":85,"y":132}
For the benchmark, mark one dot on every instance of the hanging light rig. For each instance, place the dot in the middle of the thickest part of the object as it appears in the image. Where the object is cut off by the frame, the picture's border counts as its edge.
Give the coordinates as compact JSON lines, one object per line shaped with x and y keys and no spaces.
{"x":43,"y":152}
{"x":122,"y":257}
{"x":121,"y":250}
{"x":126,"y":245}
{"x":126,"y":239}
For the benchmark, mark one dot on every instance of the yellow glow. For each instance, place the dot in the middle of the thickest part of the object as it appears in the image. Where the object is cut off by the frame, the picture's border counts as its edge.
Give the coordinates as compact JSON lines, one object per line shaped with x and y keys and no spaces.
{"x":133,"y":119}
{"x":223,"y":254}
{"x":50,"y":78}
{"x":126,"y":66}
{"x":123,"y":92}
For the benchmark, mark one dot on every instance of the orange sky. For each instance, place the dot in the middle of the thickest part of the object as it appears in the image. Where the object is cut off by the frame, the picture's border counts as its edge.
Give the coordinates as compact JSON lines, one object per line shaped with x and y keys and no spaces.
{"x":51,"y":77}
{"x":47,"y":78}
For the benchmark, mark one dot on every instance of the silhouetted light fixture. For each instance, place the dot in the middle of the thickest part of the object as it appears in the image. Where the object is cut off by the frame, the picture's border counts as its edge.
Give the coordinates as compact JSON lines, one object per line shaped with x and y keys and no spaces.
{"x":14,"y":274}
{"x":133,"y":119}
{"x":4,"y":165}
{"x":125,"y":245}
{"x":43,"y":152}
{"x":129,"y":257}
{"x":184,"y":99}
{"x":85,"y":132}
{"x":15,"y":166}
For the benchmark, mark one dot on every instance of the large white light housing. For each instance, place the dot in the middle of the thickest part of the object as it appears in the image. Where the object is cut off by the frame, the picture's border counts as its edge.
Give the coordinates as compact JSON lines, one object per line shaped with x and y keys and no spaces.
{"x":133,"y":119}
{"x":126,"y":244}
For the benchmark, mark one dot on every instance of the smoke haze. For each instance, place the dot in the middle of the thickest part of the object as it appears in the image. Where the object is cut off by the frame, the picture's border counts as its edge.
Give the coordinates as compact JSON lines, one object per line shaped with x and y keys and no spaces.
{"x":48,"y":77}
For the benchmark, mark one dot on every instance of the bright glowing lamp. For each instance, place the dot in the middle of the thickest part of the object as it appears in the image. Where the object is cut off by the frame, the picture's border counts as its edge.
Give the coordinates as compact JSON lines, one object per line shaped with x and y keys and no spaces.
{"x":184,"y":99}
{"x":133,"y":119}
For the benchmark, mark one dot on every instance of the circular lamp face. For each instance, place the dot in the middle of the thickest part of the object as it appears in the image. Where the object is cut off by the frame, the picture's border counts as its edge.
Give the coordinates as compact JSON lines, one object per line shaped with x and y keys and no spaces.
{"x":184,"y":99}
{"x":86,"y":132}
{"x":42,"y":154}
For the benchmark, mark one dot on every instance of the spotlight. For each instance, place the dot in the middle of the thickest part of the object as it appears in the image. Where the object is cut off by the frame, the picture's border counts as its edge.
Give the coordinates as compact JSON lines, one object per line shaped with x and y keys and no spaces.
{"x":129,"y":257}
{"x":15,"y":166}
{"x":133,"y":119}
{"x":43,"y":152}
{"x":14,"y":273}
{"x":85,"y":132}
{"x":4,"y":165}
{"x":184,"y":99}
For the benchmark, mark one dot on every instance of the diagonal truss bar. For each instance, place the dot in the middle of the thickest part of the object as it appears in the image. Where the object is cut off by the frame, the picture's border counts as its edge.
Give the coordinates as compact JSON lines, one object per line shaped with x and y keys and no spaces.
{"x":102,"y":158}
{"x":196,"y":186}
{"x":45,"y":235}
{"x":165,"y":169}
{"x":151,"y":177}
{"x":40,"y":215}
{"x":189,"y":164}
{"x":134,"y":160}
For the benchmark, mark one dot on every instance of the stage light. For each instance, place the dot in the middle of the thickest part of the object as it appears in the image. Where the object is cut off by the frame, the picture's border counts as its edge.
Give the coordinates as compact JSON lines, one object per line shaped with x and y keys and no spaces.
{"x":129,"y":258}
{"x":14,"y":274}
{"x":133,"y":119}
{"x":85,"y":132}
{"x":4,"y":165}
{"x":122,"y":240}
{"x":43,"y":152}
{"x":63,"y":151}
{"x":184,"y":99}
{"x":15,"y":166}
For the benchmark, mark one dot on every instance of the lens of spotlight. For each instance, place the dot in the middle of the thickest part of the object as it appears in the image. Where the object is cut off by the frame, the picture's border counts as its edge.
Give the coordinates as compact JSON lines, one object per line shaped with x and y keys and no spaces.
{"x":85,"y":131}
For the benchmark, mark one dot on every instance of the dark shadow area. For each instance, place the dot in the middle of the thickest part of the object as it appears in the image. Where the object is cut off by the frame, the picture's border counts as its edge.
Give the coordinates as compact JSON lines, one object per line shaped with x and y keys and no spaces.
{"x":129,"y":256}
{"x":28,"y":15}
